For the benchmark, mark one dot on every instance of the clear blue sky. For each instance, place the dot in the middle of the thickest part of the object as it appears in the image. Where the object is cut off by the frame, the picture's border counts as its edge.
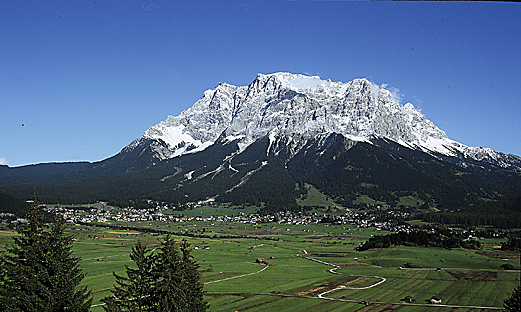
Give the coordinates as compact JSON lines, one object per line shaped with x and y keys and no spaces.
{"x":85,"y":78}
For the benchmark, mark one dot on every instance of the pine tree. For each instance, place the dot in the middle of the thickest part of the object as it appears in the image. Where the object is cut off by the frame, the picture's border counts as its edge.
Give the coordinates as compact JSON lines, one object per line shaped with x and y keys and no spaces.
{"x":39,"y":272}
{"x":513,"y":303}
{"x":170,"y":289}
{"x":133,"y":293}
{"x":192,"y":276}
{"x":167,"y":280}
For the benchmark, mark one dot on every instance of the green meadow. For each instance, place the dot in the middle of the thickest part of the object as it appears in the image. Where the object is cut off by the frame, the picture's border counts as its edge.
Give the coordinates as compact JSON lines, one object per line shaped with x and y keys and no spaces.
{"x":294,"y":280}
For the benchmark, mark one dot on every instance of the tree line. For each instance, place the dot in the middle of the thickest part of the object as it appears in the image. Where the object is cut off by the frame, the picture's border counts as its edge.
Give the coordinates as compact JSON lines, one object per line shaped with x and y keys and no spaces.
{"x":502,"y":214}
{"x":439,"y":238}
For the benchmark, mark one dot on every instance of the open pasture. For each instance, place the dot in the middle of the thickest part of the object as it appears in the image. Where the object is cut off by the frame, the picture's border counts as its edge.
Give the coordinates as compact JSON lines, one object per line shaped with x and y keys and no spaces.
{"x":234,"y":281}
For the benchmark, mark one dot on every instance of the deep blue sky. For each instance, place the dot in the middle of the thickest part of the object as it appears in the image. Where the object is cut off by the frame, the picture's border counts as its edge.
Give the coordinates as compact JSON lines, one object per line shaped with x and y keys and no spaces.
{"x":85,"y":78}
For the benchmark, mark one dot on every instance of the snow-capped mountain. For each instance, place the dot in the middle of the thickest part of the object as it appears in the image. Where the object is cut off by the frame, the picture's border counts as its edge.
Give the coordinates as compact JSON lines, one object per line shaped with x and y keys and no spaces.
{"x":268,"y":143}
{"x":295,"y":108}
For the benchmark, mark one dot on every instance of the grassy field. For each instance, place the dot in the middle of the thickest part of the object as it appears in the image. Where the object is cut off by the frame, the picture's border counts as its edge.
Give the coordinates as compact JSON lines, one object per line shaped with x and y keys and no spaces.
{"x":234,"y":282}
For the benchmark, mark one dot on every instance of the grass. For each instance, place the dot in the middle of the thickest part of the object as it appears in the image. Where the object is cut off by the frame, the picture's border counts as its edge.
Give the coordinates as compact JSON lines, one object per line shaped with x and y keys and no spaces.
{"x":314,"y":197}
{"x":463,"y":279}
{"x":364,"y":199}
{"x":219,"y":210}
{"x":417,"y":222}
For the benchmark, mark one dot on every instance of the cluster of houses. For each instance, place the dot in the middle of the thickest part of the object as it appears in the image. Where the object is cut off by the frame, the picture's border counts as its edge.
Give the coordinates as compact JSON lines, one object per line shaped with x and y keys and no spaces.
{"x":104,"y":213}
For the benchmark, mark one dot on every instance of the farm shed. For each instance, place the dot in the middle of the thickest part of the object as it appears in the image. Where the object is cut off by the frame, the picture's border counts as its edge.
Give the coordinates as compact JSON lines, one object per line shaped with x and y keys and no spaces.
{"x":409,"y":299}
{"x":435,"y":299}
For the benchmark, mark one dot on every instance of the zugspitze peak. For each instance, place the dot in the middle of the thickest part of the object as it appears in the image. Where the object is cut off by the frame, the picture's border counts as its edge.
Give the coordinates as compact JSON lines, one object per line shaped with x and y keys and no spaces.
{"x":266,"y":144}
{"x":295,"y":108}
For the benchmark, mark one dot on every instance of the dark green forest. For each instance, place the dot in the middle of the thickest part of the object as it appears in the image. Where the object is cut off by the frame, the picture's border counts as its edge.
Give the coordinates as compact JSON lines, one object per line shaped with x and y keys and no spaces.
{"x":341,"y":169}
{"x":442,"y":238}
{"x":502,"y":214}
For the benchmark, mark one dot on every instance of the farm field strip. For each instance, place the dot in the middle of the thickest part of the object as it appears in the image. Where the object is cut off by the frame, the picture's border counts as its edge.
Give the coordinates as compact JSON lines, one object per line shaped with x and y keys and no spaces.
{"x":288,"y":275}
{"x":229,"y":278}
{"x":233,"y":281}
{"x":253,"y":300}
{"x":439,"y":286}
{"x":486,"y":294}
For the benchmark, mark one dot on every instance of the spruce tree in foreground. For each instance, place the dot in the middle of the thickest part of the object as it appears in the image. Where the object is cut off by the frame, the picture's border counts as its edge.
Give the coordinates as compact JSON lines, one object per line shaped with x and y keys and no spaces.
{"x":513,"y":303}
{"x":167,"y":280}
{"x":38,"y":272}
{"x":133,"y":292}
{"x":194,"y":293}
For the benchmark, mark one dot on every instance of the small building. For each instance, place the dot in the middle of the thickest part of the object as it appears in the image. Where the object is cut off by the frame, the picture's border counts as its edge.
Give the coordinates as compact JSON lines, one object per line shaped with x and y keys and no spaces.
{"x":435,"y":300}
{"x":409,"y":299}
{"x":261,"y":261}
{"x":366,"y":302}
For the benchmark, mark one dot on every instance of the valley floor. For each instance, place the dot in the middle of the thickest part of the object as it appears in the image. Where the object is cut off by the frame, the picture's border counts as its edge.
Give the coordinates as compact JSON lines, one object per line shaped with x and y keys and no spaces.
{"x":310,"y":267}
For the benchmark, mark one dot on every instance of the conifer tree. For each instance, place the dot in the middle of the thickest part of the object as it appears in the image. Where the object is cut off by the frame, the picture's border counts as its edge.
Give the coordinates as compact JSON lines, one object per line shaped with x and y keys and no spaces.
{"x":170,"y":289}
{"x":166,"y":281}
{"x":513,"y":303}
{"x":133,"y":293}
{"x":192,"y":276}
{"x":39,"y":272}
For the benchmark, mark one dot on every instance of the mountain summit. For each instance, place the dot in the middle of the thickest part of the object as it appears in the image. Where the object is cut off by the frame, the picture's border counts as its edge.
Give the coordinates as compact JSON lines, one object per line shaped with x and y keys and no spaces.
{"x":269,"y":143}
{"x":298,"y":107}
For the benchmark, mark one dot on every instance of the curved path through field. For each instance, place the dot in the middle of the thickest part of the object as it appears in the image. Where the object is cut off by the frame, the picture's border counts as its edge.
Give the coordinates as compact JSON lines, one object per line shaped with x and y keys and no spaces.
{"x":229,"y":278}
{"x":243,"y":275}
{"x":336,"y":267}
{"x":103,"y":257}
{"x":333,"y":270}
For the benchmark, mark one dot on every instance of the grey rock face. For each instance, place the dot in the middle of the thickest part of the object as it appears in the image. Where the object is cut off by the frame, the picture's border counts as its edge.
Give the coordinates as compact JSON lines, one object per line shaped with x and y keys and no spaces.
{"x":296,"y":108}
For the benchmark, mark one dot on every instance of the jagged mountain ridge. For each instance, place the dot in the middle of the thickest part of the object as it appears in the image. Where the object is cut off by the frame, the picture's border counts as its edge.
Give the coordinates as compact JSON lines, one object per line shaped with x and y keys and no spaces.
{"x":261,"y":144}
{"x":298,"y":107}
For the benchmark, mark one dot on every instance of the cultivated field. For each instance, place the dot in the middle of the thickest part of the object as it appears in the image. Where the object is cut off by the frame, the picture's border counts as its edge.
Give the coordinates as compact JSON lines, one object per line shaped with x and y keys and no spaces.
{"x":312,"y":268}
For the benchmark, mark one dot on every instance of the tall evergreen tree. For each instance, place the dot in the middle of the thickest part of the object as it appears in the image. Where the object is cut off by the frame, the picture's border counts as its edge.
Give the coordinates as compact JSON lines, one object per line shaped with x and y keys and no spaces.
{"x":513,"y":303}
{"x":170,"y":291}
{"x":133,"y":293}
{"x":167,"y":280}
{"x":192,"y":277}
{"x":38,"y":272}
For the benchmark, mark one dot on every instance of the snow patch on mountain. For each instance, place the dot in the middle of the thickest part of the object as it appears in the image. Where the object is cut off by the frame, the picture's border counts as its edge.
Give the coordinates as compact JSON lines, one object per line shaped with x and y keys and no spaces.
{"x":298,"y":107}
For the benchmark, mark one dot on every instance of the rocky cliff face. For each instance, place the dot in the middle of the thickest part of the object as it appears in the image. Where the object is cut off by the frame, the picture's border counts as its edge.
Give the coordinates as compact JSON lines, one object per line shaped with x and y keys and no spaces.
{"x":295,"y":108}
{"x":262,"y":144}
